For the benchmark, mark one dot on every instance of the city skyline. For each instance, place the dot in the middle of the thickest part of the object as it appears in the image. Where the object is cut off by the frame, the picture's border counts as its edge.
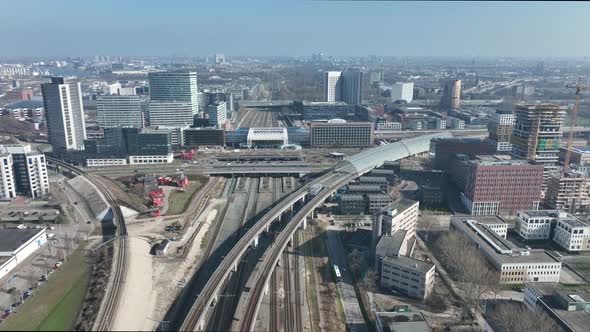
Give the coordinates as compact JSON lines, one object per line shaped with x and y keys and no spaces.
{"x":297,"y":28}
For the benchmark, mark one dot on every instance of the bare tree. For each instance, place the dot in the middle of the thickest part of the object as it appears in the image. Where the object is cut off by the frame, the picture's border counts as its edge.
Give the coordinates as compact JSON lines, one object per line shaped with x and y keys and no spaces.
{"x":370,"y":281}
{"x":514,"y":316}
{"x":467,"y":265}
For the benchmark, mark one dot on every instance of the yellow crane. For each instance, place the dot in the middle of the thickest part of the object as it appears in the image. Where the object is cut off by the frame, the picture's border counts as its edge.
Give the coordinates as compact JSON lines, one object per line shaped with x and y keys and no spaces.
{"x":579,"y":89}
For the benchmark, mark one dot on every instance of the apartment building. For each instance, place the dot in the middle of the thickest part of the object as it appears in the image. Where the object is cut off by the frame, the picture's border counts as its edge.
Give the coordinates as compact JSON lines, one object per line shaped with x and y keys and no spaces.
{"x":569,"y":192}
{"x":24,"y":172}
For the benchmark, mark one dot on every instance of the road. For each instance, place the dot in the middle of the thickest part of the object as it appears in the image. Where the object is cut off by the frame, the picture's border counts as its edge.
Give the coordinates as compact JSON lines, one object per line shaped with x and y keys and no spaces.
{"x":352,"y":311}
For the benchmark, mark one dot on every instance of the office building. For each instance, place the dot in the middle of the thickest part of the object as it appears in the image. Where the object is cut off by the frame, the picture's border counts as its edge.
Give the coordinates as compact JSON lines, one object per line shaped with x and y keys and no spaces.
{"x":217,"y":114}
{"x":219,"y":59}
{"x":115,"y":110}
{"x":451,"y":94}
{"x":170,"y":114}
{"x":18,"y":244}
{"x":346,"y":86}
{"x":327,"y":111}
{"x":138,"y":146}
{"x":402,"y":214}
{"x":455,"y":123}
{"x":175,"y":86}
{"x":389,"y":126}
{"x":572,"y":234}
{"x":402,"y":91}
{"x":568,"y":192}
{"x":341,"y":134}
{"x":579,"y":155}
{"x":500,"y":130}
{"x":499,"y":185}
{"x":203,"y":137}
{"x":352,"y":204}
{"x":445,"y":148}
{"x":66,"y":129}
{"x":537,"y":224}
{"x":19,"y":94}
{"x":537,"y":133}
{"x":24,"y":172}
{"x":332,"y":86}
{"x":568,"y":306}
{"x":515,"y":265}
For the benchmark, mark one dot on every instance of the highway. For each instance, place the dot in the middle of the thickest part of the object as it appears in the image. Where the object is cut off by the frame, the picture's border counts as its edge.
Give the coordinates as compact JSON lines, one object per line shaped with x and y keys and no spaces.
{"x":110,"y":302}
{"x":329,"y":182}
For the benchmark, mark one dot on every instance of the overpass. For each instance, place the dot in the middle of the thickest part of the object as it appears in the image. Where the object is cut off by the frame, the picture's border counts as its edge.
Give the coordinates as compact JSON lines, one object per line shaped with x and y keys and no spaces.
{"x":316,"y":192}
{"x":254,"y":170}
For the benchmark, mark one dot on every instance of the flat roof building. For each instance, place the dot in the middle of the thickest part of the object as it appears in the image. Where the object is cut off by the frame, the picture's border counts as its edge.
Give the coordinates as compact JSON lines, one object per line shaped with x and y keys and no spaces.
{"x":345,"y":135}
{"x":515,"y":265}
{"x":115,"y":110}
{"x":18,"y":244}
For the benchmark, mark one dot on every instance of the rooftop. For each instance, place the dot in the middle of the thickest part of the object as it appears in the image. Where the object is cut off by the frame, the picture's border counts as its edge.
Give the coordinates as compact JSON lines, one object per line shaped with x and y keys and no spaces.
{"x":553,"y":298}
{"x":499,"y":160}
{"x":12,"y":238}
{"x":541,"y":213}
{"x":391,"y":243}
{"x":573,"y":222}
{"x":403,"y":321}
{"x":503,"y":250}
{"x":410,"y":263}
{"x":351,"y":197}
{"x":400,"y":205}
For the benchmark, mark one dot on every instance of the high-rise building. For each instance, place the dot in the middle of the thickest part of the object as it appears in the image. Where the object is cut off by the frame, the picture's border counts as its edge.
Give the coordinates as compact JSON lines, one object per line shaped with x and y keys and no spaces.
{"x":352,"y":87}
{"x":537,"y":133}
{"x":217,"y":113}
{"x":24,"y":172}
{"x":114,"y":110}
{"x":568,"y":193}
{"x":341,"y":134}
{"x":346,"y":86}
{"x":499,"y":185}
{"x":175,"y":86}
{"x":170,"y":114}
{"x":500,"y":129}
{"x":64,"y":114}
{"x":402,"y":91}
{"x":445,"y":148}
{"x":332,"y":86}
{"x":451,"y":94}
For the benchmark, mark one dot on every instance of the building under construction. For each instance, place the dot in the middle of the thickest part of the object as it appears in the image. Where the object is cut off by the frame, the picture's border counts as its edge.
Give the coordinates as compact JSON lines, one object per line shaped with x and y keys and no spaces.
{"x":568,"y":193}
{"x":537,"y":134}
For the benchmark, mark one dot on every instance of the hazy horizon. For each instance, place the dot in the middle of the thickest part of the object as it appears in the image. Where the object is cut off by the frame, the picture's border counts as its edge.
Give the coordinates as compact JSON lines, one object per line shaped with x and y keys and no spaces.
{"x":295,"y":28}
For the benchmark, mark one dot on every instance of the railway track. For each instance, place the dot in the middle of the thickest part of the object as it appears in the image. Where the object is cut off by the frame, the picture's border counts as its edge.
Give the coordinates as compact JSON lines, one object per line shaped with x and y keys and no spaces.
{"x":111,"y":299}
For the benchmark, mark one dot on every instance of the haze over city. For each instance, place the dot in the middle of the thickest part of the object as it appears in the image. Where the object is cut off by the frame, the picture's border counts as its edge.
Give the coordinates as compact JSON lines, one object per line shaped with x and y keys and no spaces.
{"x":294,"y":166}
{"x":295,"y":28}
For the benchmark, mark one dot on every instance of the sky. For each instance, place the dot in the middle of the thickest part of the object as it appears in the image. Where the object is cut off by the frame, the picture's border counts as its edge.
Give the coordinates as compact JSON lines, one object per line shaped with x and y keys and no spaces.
{"x":293,"y":27}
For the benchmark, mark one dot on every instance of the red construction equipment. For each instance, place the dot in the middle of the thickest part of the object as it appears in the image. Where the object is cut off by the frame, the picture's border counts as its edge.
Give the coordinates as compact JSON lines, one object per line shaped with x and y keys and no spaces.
{"x":180,"y":181}
{"x":187,"y":155}
{"x":157,"y":201}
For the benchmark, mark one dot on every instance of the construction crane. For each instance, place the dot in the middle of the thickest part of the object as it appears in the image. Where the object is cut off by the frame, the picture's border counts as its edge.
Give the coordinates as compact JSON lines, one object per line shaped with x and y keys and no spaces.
{"x":579,"y":89}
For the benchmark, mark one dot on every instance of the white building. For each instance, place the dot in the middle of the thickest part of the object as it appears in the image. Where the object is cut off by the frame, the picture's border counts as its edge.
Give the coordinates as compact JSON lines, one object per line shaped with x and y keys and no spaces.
{"x":516,"y":265}
{"x":389,"y":126}
{"x":267,"y":137}
{"x":217,"y":114}
{"x":64,"y":114}
{"x":18,"y":244}
{"x":24,"y":172}
{"x":175,"y":86}
{"x":7,"y":185}
{"x":402,"y":91}
{"x":170,"y":114}
{"x":332,"y":86}
{"x":572,"y":234}
{"x":455,"y":123}
{"x":407,"y":275}
{"x":537,"y":224}
{"x":122,"y":111}
{"x":399,"y":215}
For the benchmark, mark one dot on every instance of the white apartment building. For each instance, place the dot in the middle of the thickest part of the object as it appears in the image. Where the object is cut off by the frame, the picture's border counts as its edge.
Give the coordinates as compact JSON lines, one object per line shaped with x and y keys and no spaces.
{"x":536,"y":224}
{"x":25,"y":169}
{"x":572,"y":234}
{"x":217,"y":114}
{"x":170,"y":114}
{"x":118,"y":111}
{"x":504,"y":118}
{"x":7,"y":185}
{"x":389,"y":126}
{"x":66,"y":128}
{"x":516,"y":265}
{"x":402,"y":91}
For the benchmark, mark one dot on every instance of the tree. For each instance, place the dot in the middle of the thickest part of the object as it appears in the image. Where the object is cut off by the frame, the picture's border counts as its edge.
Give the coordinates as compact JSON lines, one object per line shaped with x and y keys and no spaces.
{"x":355,"y":261}
{"x":472,"y":269}
{"x":514,"y":316}
{"x":370,"y":281}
